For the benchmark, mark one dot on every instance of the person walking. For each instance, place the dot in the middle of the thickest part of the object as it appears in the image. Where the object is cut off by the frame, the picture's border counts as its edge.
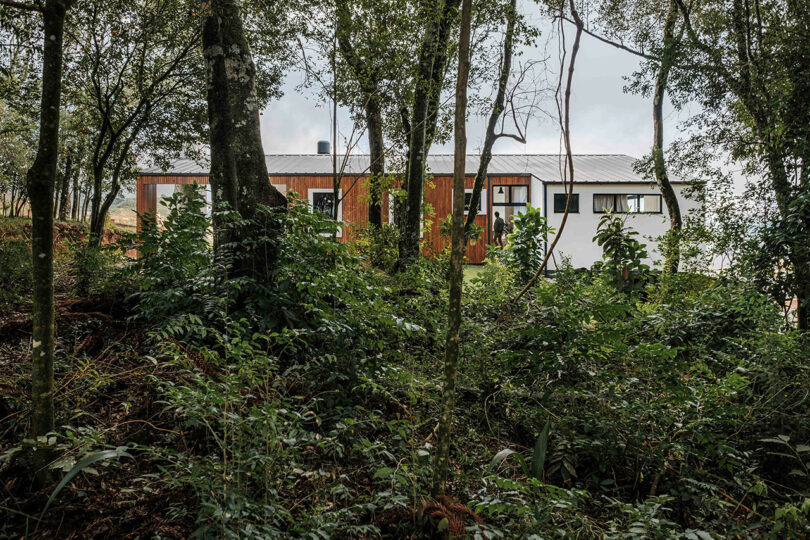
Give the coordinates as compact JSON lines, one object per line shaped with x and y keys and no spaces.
{"x":497,"y":229}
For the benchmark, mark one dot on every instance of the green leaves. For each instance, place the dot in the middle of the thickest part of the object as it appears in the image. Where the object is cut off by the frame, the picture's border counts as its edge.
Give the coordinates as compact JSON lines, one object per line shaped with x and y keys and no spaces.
{"x":538,"y":457}
{"x":540,"y":448}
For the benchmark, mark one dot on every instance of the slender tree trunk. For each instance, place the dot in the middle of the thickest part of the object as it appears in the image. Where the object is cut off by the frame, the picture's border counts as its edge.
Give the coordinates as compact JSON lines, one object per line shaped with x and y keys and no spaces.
{"x":60,"y":179}
{"x":85,"y":204}
{"x":96,"y":219}
{"x":497,"y":109}
{"x":238,"y":169}
{"x":41,"y":179}
{"x":671,"y":42}
{"x":426,"y":92}
{"x":376,"y":146}
{"x":21,"y":202}
{"x":12,"y":206}
{"x":459,"y":244}
{"x":74,"y":207}
{"x":63,"y":197}
{"x":368,"y":80}
{"x":440,"y":52}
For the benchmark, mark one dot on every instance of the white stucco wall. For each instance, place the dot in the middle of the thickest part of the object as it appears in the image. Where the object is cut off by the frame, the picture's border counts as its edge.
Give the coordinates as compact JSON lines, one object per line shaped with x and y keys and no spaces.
{"x":577,"y":237}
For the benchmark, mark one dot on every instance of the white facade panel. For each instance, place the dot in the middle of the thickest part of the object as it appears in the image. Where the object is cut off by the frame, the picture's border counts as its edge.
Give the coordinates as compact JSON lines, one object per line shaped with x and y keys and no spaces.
{"x":577,"y":237}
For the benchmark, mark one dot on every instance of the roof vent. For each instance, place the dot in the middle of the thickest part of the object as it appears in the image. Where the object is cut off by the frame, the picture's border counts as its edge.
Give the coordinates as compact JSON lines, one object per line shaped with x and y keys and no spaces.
{"x":323,"y":148}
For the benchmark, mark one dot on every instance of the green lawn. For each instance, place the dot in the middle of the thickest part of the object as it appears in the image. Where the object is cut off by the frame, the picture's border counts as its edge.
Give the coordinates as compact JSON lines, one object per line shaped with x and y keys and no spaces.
{"x":472,"y":270}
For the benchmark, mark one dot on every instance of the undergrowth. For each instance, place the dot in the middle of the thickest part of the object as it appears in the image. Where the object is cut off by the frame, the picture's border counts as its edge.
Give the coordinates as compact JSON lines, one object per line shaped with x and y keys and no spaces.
{"x":305,"y":405}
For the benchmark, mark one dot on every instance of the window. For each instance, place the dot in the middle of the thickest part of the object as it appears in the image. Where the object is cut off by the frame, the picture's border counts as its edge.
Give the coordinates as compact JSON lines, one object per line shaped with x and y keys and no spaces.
{"x":626,"y":204}
{"x":560,"y":200}
{"x":323,"y":200}
{"x":482,"y":202}
{"x":510,"y":195}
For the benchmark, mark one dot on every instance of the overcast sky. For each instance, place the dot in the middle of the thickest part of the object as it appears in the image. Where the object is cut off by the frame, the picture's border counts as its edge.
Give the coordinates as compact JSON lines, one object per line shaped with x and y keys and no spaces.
{"x":604,"y":119}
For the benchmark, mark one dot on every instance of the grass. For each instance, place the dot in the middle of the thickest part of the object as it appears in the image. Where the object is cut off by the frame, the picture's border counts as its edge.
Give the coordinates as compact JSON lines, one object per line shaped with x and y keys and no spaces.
{"x":472,"y":271}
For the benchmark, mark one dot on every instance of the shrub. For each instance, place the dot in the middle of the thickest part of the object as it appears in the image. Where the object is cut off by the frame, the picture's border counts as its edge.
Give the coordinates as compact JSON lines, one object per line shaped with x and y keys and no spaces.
{"x":15,"y":273}
{"x":174,"y":273}
{"x":527,"y":243}
{"x":97,"y":270}
{"x":622,"y":255}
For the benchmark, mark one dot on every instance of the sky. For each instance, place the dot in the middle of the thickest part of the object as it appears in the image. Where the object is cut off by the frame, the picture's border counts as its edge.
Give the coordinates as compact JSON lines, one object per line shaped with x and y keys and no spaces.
{"x":604,"y":119}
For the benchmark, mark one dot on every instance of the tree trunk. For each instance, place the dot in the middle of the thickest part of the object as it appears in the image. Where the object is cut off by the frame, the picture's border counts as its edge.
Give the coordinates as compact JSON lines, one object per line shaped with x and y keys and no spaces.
{"x":63,"y":197}
{"x":672,"y":243}
{"x":367,"y":79}
{"x":96,"y":218}
{"x":12,"y":208}
{"x":41,"y":179}
{"x":427,"y":91}
{"x":60,"y":179}
{"x":85,"y":204}
{"x":238,"y":169}
{"x":376,"y":146}
{"x":497,"y":109}
{"x":459,"y":244}
{"x":74,"y":207}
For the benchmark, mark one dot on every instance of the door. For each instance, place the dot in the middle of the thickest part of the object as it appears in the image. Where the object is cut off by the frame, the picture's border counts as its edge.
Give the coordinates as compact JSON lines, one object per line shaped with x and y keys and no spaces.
{"x":508,"y":201}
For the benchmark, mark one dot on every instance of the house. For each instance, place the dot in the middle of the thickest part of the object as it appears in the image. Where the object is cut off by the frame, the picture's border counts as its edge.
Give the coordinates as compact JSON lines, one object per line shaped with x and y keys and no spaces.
{"x":602,"y":182}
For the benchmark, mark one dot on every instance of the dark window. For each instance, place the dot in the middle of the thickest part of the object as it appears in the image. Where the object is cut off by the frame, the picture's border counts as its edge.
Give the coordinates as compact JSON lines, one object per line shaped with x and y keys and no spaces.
{"x":559,"y":203}
{"x":627,"y":204}
{"x":324,"y":202}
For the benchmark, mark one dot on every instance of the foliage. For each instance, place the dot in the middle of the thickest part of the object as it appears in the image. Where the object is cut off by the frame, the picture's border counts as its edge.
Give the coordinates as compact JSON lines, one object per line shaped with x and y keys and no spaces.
{"x":15,"y":272}
{"x":527,"y":243}
{"x":98,"y":270}
{"x":378,"y":245}
{"x":175,"y":274}
{"x":622,"y":255}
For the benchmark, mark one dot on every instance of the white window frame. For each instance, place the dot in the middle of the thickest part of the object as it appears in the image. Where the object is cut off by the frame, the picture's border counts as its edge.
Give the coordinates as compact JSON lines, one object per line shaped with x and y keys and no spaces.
{"x":311,"y":196}
{"x":482,"y":204}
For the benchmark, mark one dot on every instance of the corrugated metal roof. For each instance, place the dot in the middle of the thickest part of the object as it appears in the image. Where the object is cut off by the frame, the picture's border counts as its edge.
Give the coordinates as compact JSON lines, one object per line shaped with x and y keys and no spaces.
{"x":589,"y":168}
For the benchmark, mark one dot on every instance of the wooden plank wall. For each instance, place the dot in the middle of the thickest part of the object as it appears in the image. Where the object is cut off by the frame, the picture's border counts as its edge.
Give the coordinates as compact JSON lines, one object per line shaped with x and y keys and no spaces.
{"x":438,"y":194}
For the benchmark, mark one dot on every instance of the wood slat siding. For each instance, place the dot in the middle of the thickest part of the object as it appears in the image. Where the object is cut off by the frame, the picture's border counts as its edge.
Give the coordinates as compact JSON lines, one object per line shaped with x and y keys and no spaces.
{"x":438,"y":194}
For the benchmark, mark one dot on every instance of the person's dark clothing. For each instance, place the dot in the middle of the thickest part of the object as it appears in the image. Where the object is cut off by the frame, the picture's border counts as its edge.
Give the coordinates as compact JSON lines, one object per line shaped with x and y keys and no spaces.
{"x":498,"y":227}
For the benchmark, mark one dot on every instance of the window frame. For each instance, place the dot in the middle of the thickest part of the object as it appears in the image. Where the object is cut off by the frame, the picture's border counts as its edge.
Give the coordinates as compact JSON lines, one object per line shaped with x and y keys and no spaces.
{"x":574,"y":201}
{"x":482,"y":203}
{"x":510,"y":187}
{"x":311,"y":197}
{"x":614,"y":195}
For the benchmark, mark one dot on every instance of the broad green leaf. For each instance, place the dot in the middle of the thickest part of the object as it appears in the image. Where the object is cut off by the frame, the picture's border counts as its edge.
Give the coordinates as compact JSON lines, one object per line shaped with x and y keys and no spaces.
{"x":80,"y":466}
{"x":540,"y":448}
{"x":499,"y":457}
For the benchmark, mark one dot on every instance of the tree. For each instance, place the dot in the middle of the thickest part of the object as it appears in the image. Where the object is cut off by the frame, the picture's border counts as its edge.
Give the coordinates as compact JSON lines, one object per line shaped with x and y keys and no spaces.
{"x":16,"y":140}
{"x":238,"y":175}
{"x":19,"y":95}
{"x":636,"y":26}
{"x":368,"y":43}
{"x":132,"y":75}
{"x":669,"y":54}
{"x":459,"y":244}
{"x":752,"y":82}
{"x":41,"y":181}
{"x":498,"y":106}
{"x":439,"y":16}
